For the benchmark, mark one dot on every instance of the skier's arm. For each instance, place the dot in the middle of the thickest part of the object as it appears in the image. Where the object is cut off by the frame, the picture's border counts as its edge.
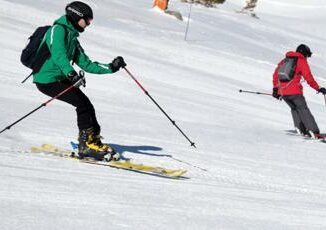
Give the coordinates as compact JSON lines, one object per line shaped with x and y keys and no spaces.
{"x":83,"y":61}
{"x":307,"y":75}
{"x":56,"y":43}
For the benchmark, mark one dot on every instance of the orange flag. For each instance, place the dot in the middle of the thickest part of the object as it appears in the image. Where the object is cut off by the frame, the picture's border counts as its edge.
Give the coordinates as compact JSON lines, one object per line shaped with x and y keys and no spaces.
{"x":162,"y":4}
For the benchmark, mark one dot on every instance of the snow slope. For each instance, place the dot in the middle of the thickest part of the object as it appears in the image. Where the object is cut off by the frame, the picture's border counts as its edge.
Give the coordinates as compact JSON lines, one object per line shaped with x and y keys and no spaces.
{"x":246,"y":172}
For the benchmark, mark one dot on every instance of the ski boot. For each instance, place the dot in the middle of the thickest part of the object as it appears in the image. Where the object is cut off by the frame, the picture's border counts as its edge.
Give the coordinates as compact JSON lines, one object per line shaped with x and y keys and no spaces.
{"x":112,"y":154}
{"x":90,"y":145}
{"x":316,"y":135}
{"x":302,"y":132}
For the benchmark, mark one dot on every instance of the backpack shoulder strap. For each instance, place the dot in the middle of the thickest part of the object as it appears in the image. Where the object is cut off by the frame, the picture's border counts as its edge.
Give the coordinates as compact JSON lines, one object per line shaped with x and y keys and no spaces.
{"x":43,"y":39}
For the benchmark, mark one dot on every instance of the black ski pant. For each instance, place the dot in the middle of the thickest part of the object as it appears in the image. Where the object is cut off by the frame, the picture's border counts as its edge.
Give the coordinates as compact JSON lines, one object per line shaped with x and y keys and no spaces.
{"x":86,"y":117}
{"x":302,"y":117}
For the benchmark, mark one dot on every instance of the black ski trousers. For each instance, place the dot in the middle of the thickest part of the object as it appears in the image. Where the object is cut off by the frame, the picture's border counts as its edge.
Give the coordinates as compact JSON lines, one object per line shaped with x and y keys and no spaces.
{"x":302,"y":117}
{"x":86,"y":117}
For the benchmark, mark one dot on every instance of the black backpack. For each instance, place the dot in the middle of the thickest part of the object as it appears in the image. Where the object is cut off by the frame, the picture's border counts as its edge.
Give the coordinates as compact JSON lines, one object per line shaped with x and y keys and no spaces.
{"x":287,"y":69}
{"x":34,"y":56}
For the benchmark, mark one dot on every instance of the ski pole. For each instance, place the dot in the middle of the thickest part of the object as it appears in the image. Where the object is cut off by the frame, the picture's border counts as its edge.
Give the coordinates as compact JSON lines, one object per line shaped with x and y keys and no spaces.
{"x":245,"y":91}
{"x":78,"y":83}
{"x":187,"y":27}
{"x":146,"y":92}
{"x":27,"y":77}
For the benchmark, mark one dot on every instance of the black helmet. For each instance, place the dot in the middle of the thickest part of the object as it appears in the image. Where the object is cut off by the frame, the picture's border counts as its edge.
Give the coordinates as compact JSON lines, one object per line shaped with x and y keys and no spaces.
{"x":78,"y":10}
{"x":304,"y":50}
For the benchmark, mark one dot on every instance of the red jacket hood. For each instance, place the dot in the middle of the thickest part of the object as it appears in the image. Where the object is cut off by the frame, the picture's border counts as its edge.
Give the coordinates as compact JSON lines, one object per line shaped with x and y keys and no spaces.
{"x":294,"y":54}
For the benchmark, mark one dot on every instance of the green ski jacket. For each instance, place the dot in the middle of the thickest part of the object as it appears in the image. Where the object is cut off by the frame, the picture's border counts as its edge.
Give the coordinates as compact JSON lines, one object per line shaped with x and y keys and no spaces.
{"x":64,"y":47}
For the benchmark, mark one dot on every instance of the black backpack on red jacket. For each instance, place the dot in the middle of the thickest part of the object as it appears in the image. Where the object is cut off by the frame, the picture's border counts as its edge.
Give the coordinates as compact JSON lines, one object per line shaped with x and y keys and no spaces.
{"x":287,"y":69}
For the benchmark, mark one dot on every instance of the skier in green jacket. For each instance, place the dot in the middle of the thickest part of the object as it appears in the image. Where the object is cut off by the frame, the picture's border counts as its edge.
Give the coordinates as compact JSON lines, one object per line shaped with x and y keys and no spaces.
{"x":57,"y":74}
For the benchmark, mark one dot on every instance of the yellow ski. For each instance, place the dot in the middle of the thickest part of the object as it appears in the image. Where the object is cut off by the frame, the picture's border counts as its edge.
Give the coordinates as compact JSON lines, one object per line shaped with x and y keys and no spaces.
{"x":126,"y":165}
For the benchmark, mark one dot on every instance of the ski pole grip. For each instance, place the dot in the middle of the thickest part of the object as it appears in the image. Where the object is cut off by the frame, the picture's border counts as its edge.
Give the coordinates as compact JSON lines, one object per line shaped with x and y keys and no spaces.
{"x":81,"y":81}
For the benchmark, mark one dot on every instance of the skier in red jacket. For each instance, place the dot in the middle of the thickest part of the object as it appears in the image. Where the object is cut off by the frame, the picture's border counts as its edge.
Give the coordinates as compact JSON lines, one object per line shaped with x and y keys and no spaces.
{"x":290,"y":89}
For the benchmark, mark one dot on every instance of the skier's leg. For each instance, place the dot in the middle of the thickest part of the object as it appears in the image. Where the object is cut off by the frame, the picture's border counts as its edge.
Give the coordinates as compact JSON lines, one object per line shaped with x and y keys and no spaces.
{"x":305,"y":114}
{"x":75,"y":97}
{"x":87,"y":107}
{"x":89,"y":129}
{"x":298,"y":124}
{"x":95,"y":142}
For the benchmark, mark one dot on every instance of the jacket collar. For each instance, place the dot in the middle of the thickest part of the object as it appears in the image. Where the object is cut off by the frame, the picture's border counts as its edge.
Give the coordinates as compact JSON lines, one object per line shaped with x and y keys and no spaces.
{"x":63,"y":21}
{"x":294,"y":54}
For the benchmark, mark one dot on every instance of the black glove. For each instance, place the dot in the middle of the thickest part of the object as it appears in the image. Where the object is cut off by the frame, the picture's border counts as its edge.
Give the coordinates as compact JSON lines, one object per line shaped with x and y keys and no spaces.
{"x":74,"y":77}
{"x":117,"y":63}
{"x":322,"y":90}
{"x":275,"y":93}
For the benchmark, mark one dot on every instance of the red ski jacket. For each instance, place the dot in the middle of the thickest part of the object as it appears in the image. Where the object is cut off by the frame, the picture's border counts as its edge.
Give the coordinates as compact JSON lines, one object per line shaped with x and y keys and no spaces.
{"x":294,"y":86}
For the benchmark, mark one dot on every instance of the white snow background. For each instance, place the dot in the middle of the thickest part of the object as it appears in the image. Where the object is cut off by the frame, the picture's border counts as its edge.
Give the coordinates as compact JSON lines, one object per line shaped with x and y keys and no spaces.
{"x":246,"y":173}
